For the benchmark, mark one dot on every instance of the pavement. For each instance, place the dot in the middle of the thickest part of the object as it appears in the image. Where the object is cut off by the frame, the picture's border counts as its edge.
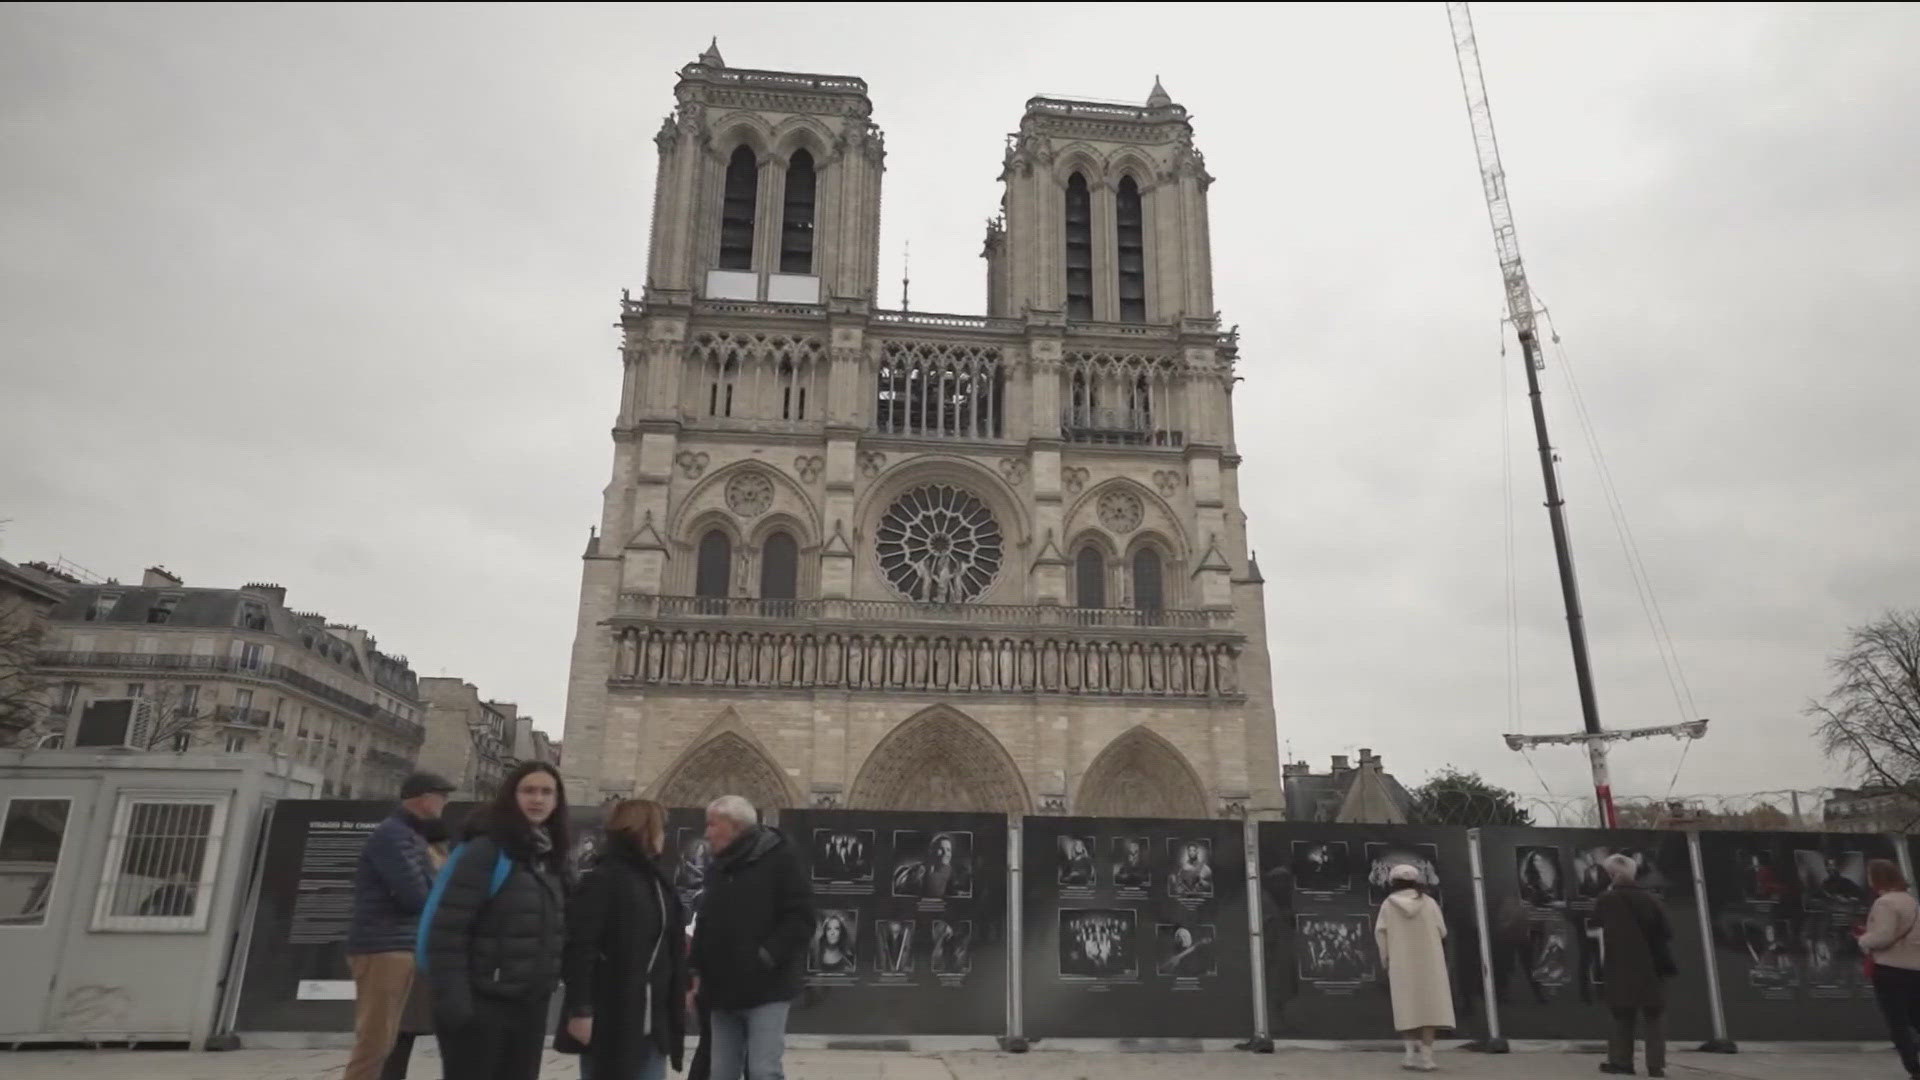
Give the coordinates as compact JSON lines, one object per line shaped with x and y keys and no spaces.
{"x":1040,"y":1064}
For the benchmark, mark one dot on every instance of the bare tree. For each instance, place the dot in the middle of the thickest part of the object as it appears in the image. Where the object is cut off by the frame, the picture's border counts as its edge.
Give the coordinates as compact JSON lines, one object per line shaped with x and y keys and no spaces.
{"x":177,"y":724}
{"x":1870,"y":719}
{"x":24,"y":709}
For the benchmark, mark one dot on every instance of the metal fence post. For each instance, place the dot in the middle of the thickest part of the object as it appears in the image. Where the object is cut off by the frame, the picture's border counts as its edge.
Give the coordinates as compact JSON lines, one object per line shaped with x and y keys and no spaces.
{"x":1016,"y":1040}
{"x":1720,"y":1043}
{"x":1256,"y":934}
{"x":1495,"y":1043}
{"x":1904,"y":852}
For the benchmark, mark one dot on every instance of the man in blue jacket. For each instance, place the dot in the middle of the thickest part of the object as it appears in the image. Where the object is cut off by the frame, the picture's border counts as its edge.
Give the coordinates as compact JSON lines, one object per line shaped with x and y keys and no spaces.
{"x":390,"y":888}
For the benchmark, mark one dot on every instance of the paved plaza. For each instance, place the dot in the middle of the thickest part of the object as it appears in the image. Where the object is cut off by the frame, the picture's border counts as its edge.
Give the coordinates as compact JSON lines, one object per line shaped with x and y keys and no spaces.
{"x":1041,"y":1064}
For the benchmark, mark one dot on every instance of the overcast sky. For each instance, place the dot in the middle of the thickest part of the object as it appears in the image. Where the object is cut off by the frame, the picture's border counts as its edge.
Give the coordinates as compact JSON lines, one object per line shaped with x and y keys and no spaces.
{"x":324,"y":296}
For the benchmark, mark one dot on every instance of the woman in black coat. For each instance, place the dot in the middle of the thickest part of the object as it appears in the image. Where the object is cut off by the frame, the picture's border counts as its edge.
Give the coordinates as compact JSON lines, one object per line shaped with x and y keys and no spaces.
{"x":493,"y":955}
{"x":625,"y":964}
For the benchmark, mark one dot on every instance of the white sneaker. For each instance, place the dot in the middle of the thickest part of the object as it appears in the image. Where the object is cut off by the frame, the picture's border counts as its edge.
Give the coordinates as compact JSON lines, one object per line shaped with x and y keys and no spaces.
{"x":1427,"y":1064}
{"x":1411,"y":1062}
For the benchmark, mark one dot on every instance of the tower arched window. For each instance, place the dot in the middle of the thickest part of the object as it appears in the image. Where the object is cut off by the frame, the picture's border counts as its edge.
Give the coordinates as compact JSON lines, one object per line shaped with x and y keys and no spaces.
{"x":713,"y":569}
{"x":1132,"y":251}
{"x":796,"y":223}
{"x":1148,"y":592}
{"x":1079,"y":249}
{"x":779,"y":568}
{"x":1090,"y":578}
{"x":737,"y":210}
{"x":724,"y":372}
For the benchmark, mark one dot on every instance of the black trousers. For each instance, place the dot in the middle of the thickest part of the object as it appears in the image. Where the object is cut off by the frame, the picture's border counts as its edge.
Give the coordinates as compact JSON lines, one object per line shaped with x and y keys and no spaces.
{"x":502,"y":1041}
{"x":1620,"y":1049}
{"x":398,"y":1058}
{"x":1898,"y":991}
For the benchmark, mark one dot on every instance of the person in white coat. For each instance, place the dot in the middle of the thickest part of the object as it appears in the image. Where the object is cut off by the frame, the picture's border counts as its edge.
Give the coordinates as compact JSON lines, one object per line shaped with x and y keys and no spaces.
{"x":1409,"y":932}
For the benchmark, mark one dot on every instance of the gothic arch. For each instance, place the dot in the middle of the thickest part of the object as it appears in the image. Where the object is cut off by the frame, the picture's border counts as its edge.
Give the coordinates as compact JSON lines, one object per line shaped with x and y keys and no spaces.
{"x":743,"y":129}
{"x":1082,"y":158}
{"x":708,"y":498}
{"x":1141,"y":774}
{"x":797,"y":133}
{"x":1130,"y":162}
{"x":940,"y":759}
{"x":1158,"y":521}
{"x":726,"y":759}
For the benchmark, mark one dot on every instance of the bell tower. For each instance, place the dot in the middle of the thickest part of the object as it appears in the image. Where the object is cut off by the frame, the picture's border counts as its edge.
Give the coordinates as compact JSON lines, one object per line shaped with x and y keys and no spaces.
{"x":768,"y":188}
{"x":1104,"y":217}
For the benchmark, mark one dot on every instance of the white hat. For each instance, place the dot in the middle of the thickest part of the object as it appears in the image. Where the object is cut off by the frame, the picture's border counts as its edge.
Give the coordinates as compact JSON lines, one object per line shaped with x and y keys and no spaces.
{"x":1404,"y":872}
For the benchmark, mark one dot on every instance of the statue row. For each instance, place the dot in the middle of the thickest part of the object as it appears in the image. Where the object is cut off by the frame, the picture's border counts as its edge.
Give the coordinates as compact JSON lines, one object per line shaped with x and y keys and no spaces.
{"x":899,"y":662}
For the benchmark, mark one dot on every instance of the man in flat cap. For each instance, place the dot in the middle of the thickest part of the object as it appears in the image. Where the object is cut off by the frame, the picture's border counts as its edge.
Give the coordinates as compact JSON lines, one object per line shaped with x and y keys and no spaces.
{"x":390,"y":888}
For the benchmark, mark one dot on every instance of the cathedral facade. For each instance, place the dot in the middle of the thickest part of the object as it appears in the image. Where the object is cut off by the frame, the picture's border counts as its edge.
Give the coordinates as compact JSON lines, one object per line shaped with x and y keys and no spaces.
{"x":862,"y":557}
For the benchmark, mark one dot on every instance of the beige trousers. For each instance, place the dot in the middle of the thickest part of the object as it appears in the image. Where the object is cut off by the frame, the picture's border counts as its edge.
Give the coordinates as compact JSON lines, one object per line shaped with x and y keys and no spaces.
{"x":381,"y":982}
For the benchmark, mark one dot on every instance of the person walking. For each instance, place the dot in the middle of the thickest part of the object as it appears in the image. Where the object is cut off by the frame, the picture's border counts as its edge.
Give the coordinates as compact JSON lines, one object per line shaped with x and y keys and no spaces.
{"x":1891,"y":940}
{"x":750,"y":941}
{"x":417,"y":1018}
{"x":625,"y":963}
{"x":390,"y":885}
{"x":1410,"y":932}
{"x":1637,"y":960}
{"x":494,"y":944}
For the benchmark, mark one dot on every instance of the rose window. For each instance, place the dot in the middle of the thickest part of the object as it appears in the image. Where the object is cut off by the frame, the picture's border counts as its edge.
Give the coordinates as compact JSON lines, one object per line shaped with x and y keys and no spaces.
{"x":749,"y":494}
{"x":1120,"y":511}
{"x":939,"y":544}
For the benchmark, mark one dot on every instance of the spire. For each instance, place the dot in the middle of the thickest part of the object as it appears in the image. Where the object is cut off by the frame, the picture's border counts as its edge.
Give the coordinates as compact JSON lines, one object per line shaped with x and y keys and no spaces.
{"x":906,"y":274}
{"x":1158,"y":99}
{"x":711,"y":57}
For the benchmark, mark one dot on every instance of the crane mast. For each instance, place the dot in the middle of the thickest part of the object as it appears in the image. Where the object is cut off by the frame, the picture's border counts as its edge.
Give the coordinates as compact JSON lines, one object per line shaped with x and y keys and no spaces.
{"x":1520,"y":310}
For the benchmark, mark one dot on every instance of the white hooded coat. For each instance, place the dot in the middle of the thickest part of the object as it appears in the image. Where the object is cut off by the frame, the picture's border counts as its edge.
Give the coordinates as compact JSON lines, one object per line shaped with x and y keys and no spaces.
{"x":1409,"y":932}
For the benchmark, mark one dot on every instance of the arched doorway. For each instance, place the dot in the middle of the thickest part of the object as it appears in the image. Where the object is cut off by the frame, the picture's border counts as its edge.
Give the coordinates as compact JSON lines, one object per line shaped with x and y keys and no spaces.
{"x":1141,"y":774}
{"x":941,"y":759}
{"x":726,"y":762}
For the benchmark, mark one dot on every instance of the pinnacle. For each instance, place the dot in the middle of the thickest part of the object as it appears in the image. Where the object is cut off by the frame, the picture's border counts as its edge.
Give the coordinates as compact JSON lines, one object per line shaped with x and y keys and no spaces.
{"x":711,"y":57}
{"x":1159,"y":98}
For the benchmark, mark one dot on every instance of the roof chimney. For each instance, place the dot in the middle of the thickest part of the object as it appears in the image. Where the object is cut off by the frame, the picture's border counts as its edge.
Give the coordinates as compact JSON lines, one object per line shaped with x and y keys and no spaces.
{"x":1296,"y":768}
{"x":1340,"y":763}
{"x":158,"y":577}
{"x":276,"y":593}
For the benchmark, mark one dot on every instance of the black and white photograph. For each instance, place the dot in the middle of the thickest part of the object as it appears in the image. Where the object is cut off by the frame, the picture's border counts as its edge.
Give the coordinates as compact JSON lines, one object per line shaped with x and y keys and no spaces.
{"x":1076,"y":869}
{"x":1829,"y":882}
{"x":1184,"y":951}
{"x":1334,"y":948}
{"x":1551,"y":946}
{"x":1769,"y":948}
{"x":690,"y":867}
{"x":951,"y":946}
{"x":1098,"y":943}
{"x":1543,"y":882}
{"x":836,"y":937}
{"x":893,"y":946}
{"x":1132,"y":864}
{"x":1591,"y":877}
{"x":843,"y":856}
{"x":1831,"y":956}
{"x":933,"y":866}
{"x":1382,"y":858}
{"x":1190,"y":876}
{"x":1322,"y":867}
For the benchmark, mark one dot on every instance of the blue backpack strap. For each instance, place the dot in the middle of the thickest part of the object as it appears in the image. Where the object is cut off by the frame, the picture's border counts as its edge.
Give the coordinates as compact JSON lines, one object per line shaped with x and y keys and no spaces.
{"x":502,"y":866}
{"x":433,"y":904}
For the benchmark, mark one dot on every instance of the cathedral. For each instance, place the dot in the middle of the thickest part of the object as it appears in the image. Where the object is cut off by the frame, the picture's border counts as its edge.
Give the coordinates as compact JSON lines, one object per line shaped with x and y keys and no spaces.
{"x":867,"y":558}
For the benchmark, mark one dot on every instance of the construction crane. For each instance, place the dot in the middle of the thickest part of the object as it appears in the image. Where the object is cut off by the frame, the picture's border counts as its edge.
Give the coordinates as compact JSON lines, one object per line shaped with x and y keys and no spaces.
{"x":1521,"y":312}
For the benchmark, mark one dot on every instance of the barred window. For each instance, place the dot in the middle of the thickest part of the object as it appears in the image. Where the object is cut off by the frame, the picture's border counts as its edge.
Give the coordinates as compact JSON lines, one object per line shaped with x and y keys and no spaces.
{"x":737,"y":210}
{"x":161,"y":862}
{"x":1079,"y":249}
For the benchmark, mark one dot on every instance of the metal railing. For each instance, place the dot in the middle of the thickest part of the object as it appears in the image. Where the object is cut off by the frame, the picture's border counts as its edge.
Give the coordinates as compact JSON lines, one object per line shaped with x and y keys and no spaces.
{"x":649,"y":605}
{"x":240,"y":716}
{"x":1128,"y":427}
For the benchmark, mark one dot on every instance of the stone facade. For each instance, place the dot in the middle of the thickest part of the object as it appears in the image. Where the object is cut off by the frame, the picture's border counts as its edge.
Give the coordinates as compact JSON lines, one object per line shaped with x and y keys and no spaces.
{"x":468,"y":741}
{"x":860,"y":557}
{"x":235,"y":671}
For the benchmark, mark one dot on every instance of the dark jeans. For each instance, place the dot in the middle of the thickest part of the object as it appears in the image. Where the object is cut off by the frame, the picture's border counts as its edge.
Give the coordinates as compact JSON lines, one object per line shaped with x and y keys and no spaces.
{"x":1620,"y":1048}
{"x":502,"y":1041}
{"x":397,"y":1058}
{"x":1898,"y":990}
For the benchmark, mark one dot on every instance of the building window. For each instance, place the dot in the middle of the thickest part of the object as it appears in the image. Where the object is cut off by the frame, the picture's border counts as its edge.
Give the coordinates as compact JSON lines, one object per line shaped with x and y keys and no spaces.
{"x":252,"y":616}
{"x":31,"y":836}
{"x":793,"y":390}
{"x":929,"y":388}
{"x":1089,"y":578}
{"x":236,"y":744}
{"x":1148,"y":594}
{"x":69,"y":693}
{"x":736,"y":214}
{"x":190,"y":699}
{"x":162,"y":858}
{"x":779,"y":568}
{"x":713,"y":569}
{"x":102,"y":607}
{"x":796,"y":229}
{"x":279,"y":714}
{"x":1129,"y":225}
{"x":720,"y":386}
{"x":1079,"y":249}
{"x":136,"y":690}
{"x":243,"y":698}
{"x":250,"y":656}
{"x":162,"y":611}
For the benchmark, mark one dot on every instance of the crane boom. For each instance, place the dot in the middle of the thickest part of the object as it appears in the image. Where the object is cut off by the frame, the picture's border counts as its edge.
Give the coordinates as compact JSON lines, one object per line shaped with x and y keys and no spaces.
{"x":1513,"y":276}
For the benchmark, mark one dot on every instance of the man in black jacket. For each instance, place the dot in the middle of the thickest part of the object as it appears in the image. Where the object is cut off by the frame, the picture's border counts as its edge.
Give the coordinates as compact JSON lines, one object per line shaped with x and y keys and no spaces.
{"x":749,"y":944}
{"x":390,"y":887}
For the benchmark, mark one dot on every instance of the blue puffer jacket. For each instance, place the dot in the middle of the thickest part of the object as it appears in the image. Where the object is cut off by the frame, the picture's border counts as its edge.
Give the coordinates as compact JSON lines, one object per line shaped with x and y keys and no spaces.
{"x":390,"y":887}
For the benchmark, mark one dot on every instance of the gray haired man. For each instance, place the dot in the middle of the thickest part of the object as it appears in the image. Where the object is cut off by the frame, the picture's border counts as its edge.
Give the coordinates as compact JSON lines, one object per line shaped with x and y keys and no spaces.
{"x":749,"y":944}
{"x":1637,"y":943}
